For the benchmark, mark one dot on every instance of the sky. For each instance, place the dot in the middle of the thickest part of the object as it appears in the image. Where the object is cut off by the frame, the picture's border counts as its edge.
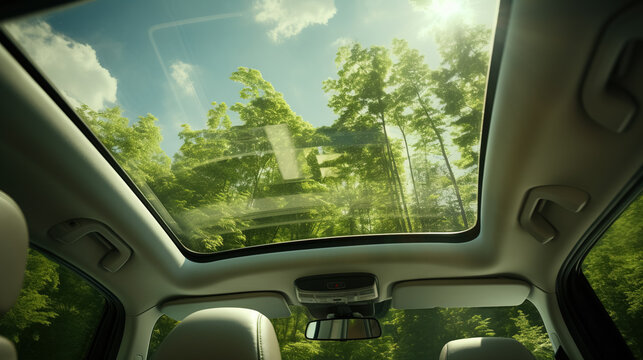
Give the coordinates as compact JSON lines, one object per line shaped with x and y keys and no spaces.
{"x":173,"y":58}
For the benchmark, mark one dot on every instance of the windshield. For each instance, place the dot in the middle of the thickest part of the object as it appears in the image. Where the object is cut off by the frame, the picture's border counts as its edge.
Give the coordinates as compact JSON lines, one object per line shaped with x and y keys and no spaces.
{"x":406,"y":334}
{"x":256,"y":122}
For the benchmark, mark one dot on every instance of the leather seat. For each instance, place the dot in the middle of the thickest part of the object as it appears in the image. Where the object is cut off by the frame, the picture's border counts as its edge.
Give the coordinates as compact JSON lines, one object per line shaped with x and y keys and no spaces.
{"x":222,"y":333}
{"x":14,"y":242}
{"x":482,"y":348}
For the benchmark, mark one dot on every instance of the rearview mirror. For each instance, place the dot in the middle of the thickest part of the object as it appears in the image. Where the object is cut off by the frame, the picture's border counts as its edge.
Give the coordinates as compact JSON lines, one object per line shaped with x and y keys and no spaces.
{"x":343,"y":329}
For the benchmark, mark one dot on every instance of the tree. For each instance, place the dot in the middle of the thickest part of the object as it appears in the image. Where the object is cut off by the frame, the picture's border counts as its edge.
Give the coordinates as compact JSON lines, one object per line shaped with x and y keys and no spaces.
{"x":360,"y":98}
{"x":162,"y":328}
{"x":137,"y":148}
{"x":533,"y":337}
{"x":460,"y":82}
{"x":202,"y":183}
{"x":229,"y":176}
{"x":412,"y":79}
{"x":613,"y":269}
{"x":34,"y":305}
{"x":55,"y":314}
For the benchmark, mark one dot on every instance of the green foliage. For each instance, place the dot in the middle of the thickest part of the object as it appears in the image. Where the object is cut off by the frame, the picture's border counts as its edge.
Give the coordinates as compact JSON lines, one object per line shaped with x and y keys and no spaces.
{"x":137,"y":148}
{"x":413,"y":334}
{"x":406,"y":334}
{"x":460,"y":84}
{"x":300,"y":350}
{"x":273,"y":177}
{"x":533,"y":337}
{"x":613,"y":269}
{"x":162,"y":328}
{"x":34,"y":306}
{"x":56,"y":314}
{"x":414,"y":89}
{"x":361,"y":99}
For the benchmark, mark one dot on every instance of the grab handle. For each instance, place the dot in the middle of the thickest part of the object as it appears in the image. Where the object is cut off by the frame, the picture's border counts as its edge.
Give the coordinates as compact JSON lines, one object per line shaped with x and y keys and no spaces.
{"x":532,"y":220}
{"x":609,"y":105}
{"x":71,"y":231}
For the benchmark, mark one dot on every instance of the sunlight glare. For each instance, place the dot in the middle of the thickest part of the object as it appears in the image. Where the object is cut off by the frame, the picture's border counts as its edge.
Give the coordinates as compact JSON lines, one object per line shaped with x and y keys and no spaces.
{"x":444,"y":9}
{"x":439,"y":13}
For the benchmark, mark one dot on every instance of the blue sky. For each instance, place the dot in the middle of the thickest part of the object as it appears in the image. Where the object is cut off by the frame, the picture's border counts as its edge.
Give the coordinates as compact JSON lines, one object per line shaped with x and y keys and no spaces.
{"x":173,"y":58}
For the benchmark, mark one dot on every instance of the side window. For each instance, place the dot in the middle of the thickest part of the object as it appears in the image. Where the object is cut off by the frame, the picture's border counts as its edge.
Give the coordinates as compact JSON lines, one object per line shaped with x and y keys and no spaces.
{"x":613,"y":269}
{"x":56,"y":315}
{"x":162,"y":327}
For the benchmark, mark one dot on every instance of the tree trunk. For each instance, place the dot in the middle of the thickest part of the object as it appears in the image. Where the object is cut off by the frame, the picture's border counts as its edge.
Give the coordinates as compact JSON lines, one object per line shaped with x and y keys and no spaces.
{"x":408,"y":157}
{"x":396,"y":175}
{"x":395,"y":201}
{"x":284,"y":333}
{"x":293,"y":336}
{"x":446,"y":160}
{"x":256,"y":181}
{"x":274,"y":236}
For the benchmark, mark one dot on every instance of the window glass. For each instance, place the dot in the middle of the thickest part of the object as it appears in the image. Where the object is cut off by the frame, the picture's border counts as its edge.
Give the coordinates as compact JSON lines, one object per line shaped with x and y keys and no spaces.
{"x":162,"y":327}
{"x":295,"y":121}
{"x":56,"y":315}
{"x":613,"y":269}
{"x":406,"y":334}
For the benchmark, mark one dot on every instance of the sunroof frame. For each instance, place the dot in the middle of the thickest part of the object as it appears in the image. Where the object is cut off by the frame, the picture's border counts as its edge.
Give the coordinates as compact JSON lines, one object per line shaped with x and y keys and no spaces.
{"x":500,"y":34}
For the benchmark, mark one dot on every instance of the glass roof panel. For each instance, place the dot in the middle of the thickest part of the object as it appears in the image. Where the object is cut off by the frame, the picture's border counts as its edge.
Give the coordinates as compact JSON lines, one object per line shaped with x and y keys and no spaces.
{"x":255,"y":122}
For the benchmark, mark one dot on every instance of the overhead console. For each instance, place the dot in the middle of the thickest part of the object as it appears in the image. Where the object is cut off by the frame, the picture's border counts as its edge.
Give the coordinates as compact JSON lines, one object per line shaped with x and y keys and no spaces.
{"x":338,"y":295}
{"x":336,"y":288}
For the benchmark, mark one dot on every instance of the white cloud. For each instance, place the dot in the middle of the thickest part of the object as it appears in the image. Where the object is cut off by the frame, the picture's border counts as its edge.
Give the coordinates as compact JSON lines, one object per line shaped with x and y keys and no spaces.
{"x":181,"y":73}
{"x":70,"y":65}
{"x":290,"y":17}
{"x":341,"y":41}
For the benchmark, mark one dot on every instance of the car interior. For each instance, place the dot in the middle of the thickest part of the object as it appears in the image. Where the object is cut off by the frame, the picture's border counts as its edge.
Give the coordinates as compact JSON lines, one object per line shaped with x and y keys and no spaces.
{"x":292,"y":268}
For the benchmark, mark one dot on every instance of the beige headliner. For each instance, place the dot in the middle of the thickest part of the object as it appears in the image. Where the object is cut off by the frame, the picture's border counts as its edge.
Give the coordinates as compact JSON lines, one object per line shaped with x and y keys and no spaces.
{"x":540,"y":135}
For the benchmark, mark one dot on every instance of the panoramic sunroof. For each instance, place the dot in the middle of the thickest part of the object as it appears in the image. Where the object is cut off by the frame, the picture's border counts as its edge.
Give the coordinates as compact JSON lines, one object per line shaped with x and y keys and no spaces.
{"x":256,"y":122}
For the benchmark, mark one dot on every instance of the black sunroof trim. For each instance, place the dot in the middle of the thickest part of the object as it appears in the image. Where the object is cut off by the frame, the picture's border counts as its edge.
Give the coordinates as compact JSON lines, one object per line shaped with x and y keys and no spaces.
{"x":338,"y":241}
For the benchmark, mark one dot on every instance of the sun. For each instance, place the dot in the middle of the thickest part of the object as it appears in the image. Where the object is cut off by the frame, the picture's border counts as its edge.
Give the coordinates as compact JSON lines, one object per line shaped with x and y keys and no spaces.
{"x":439,"y":14}
{"x":444,"y":9}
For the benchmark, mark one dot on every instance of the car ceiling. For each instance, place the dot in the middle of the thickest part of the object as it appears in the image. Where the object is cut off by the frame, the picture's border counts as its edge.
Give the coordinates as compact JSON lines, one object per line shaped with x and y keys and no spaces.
{"x":539,"y":135}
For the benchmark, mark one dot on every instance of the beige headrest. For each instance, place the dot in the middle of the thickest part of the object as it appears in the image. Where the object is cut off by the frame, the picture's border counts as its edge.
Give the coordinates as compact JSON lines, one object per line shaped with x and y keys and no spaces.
{"x":14,"y":242}
{"x":222,"y":333}
{"x":482,"y":348}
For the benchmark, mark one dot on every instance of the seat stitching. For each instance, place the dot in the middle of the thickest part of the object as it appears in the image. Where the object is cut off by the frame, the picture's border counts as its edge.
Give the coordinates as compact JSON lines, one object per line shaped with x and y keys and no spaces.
{"x":260,"y":350}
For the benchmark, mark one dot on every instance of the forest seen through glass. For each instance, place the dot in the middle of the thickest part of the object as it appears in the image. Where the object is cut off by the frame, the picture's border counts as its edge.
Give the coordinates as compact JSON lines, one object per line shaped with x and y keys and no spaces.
{"x":401,"y":156}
